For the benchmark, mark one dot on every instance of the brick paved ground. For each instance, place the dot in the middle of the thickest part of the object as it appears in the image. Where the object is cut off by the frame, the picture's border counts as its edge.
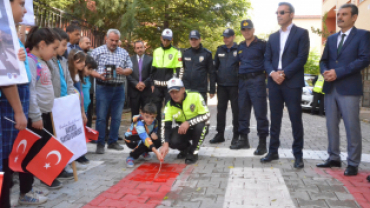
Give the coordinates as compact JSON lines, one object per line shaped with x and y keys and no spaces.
{"x":225,"y":178}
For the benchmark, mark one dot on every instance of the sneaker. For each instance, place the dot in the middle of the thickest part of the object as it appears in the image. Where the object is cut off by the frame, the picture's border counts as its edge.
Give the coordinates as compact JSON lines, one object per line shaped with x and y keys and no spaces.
{"x":64,"y":175}
{"x":68,"y":169}
{"x":80,"y":166}
{"x":100,"y":149}
{"x":41,"y":191}
{"x":130,"y":162}
{"x":32,"y":198}
{"x":115,"y":146}
{"x":83,"y":160}
{"x":147,"y":156}
{"x":55,"y":185}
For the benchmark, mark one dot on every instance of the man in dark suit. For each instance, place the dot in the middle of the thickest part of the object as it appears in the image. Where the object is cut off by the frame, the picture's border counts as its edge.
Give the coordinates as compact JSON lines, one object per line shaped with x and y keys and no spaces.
{"x":286,"y":54}
{"x":345,"y":55}
{"x":139,"y":82}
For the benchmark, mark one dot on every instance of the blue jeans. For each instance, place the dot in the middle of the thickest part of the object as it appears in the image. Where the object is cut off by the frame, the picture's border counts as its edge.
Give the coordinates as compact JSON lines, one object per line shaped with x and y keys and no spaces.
{"x":113,"y":98}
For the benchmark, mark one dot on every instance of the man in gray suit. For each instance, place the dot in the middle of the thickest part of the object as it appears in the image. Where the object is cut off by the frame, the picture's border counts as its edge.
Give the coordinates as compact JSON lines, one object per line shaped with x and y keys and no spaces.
{"x":345,"y":55}
{"x":139,"y":82}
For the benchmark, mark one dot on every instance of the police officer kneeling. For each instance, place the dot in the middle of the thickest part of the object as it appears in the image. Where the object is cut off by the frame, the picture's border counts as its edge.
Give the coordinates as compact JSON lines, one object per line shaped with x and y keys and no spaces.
{"x":185,"y":119}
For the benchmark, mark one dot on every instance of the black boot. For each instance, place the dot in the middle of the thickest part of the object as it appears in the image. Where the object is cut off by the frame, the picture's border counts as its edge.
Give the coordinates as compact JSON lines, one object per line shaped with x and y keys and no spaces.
{"x":243,"y":142}
{"x":235,"y":139}
{"x":261,"y":149}
{"x":218,"y":138}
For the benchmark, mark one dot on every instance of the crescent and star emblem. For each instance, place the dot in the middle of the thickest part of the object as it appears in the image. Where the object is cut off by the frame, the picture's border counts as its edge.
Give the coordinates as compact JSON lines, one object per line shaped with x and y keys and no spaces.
{"x":24,"y":144}
{"x":54,"y":152}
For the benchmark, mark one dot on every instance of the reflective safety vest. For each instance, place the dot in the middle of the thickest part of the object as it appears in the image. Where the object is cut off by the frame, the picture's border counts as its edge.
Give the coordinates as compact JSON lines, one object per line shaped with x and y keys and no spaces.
{"x":319,"y":84}
{"x":166,"y":63}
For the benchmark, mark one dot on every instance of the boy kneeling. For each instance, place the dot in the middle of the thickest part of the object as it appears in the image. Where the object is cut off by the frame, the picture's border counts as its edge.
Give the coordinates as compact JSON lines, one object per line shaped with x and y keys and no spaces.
{"x":142,"y":135}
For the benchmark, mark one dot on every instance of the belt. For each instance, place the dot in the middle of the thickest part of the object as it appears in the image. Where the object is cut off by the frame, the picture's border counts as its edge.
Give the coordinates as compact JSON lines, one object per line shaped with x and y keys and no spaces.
{"x":110,"y":84}
{"x":160,"y":83}
{"x":250,"y":75}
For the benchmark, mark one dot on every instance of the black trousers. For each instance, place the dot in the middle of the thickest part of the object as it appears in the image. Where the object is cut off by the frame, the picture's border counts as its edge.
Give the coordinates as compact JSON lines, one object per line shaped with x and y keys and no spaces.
{"x":224,"y":94}
{"x":25,"y":183}
{"x":318,"y":97}
{"x":138,"y":149}
{"x":90,"y":111}
{"x":196,"y":134}
{"x":140,"y":100}
{"x":160,"y":94}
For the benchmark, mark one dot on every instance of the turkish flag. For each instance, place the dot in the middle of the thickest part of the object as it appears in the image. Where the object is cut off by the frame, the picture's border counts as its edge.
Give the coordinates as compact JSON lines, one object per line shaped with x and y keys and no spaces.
{"x":50,"y":161}
{"x":1,"y":181}
{"x":91,"y":134}
{"x":21,"y":147}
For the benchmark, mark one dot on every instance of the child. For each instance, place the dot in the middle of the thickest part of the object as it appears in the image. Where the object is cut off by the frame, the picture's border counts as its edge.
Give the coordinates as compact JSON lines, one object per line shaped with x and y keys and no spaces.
{"x":89,"y":69}
{"x":61,"y":80}
{"x":42,"y":44}
{"x":9,"y":132}
{"x":137,"y":136}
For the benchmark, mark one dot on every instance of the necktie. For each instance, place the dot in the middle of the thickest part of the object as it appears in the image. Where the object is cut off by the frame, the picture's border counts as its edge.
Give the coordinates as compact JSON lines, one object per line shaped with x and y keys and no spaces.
{"x":341,"y":43}
{"x":140,"y":66}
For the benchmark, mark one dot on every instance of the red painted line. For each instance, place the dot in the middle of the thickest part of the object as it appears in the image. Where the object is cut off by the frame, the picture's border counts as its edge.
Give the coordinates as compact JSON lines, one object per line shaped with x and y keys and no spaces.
{"x":139,"y":189}
{"x":358,"y":186}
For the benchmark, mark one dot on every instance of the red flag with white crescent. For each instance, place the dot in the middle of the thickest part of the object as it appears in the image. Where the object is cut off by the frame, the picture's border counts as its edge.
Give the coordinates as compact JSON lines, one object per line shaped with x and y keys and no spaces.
{"x":50,"y":161}
{"x":21,"y":147}
{"x":91,"y":134}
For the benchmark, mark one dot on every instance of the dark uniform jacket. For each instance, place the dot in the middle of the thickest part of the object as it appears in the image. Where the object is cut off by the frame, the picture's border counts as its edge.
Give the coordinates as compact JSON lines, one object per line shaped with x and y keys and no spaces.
{"x":227,"y":65}
{"x":252,"y":57}
{"x":197,"y":65}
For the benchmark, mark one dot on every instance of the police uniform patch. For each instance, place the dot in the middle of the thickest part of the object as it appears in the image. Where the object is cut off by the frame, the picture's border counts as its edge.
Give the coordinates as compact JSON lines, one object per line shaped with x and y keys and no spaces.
{"x":221,"y":55}
{"x":192,"y":107}
{"x":187,"y":58}
{"x":201,"y":58}
{"x":235,"y":53}
{"x":240,"y":52}
{"x":170,"y":56}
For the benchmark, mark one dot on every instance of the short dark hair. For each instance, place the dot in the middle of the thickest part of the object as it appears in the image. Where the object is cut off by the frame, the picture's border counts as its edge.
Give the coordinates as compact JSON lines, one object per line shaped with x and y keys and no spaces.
{"x":36,"y":35}
{"x":72,"y":27}
{"x":291,"y":8}
{"x":139,"y":41}
{"x":90,"y":62}
{"x":150,"y":108}
{"x":354,"y":8}
{"x":63,"y":35}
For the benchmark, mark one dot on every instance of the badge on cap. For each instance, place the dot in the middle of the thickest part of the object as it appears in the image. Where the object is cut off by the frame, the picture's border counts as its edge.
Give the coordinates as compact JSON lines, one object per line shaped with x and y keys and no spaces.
{"x":226,"y":31}
{"x":193,"y":33}
{"x":201,"y":58}
{"x":245,"y":23}
{"x":170,"y":56}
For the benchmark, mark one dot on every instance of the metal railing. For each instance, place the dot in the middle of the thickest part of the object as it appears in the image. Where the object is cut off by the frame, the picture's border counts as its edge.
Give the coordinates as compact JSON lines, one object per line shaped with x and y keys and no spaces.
{"x":47,"y":16}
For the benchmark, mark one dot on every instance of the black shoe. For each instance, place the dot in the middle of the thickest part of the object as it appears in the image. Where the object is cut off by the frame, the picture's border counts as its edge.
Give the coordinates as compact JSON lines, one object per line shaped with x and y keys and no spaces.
{"x":55,"y":185}
{"x":64,"y":175}
{"x":298,"y":163}
{"x":242,"y":143}
{"x":182,"y":154}
{"x":115,"y":146}
{"x":351,"y":170}
{"x":234,"y":140}
{"x":217,"y":139}
{"x":261,"y":149}
{"x":83,"y":160}
{"x":330,"y":163}
{"x":191,"y":158}
{"x":100,"y":149}
{"x":270,"y":157}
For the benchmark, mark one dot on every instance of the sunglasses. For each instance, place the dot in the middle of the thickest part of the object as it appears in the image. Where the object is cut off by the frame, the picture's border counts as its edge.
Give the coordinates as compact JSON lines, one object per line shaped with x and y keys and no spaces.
{"x":281,"y":12}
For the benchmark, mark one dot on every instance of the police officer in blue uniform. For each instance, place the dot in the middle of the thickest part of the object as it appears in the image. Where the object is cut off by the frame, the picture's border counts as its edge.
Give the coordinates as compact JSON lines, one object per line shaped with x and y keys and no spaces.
{"x":252,"y":88}
{"x":227,"y":66}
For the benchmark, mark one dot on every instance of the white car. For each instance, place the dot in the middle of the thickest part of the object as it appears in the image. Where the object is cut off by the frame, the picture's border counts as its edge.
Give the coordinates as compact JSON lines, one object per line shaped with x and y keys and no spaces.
{"x":307,"y":95}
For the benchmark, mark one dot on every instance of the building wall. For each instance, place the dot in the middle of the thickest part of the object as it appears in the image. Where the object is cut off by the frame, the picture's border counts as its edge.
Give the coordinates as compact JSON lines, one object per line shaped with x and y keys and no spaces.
{"x":363,"y":20}
{"x":315,"y":39}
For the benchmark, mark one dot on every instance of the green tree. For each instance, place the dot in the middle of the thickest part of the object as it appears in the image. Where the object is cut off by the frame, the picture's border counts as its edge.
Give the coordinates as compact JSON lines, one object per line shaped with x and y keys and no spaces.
{"x":324,"y":32}
{"x":312,"y":65}
{"x":145,"y":19}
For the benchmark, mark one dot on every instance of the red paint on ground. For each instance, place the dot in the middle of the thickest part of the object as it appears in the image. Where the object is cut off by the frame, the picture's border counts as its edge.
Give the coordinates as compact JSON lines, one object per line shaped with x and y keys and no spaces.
{"x":139,"y":189}
{"x":358,"y":186}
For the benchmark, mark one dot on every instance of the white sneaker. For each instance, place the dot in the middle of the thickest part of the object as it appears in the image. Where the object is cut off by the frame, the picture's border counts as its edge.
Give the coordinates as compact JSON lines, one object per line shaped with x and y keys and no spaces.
{"x":147,"y":156}
{"x":68,"y":169}
{"x":80,"y":166}
{"x":32,"y":198}
{"x":40,"y":190}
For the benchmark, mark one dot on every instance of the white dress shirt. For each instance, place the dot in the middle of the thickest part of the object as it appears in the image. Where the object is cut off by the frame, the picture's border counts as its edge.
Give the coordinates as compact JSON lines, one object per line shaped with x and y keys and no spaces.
{"x":139,"y":57}
{"x":345,"y":37}
{"x":283,"y":38}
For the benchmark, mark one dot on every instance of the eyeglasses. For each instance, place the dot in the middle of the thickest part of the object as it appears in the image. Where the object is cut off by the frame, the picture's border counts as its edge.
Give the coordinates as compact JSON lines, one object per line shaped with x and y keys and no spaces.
{"x":281,"y":12}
